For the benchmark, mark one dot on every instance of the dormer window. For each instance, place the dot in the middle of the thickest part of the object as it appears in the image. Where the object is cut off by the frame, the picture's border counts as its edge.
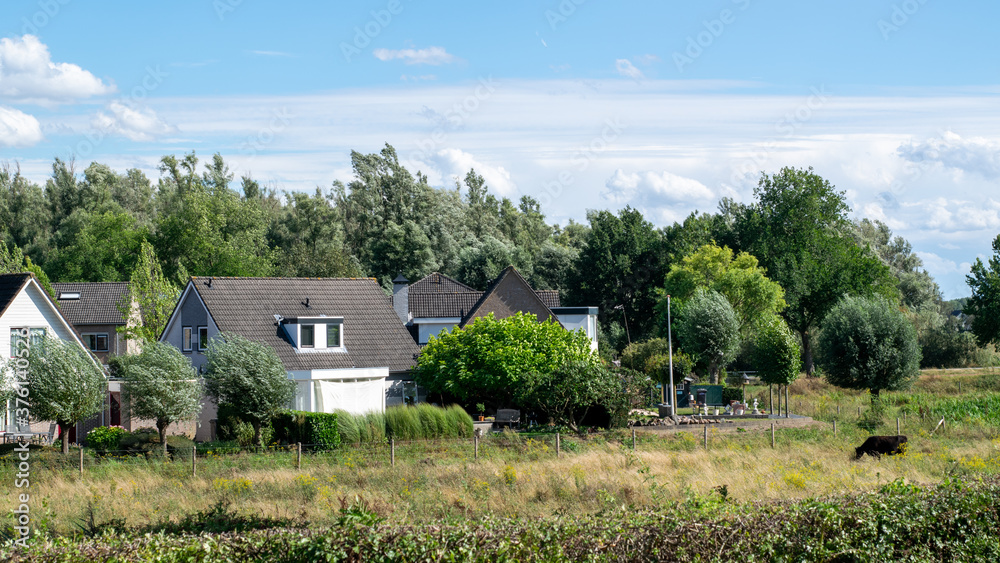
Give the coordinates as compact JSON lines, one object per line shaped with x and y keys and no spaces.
{"x":334,"y":336}
{"x":307,"y":336}
{"x":69,"y":295}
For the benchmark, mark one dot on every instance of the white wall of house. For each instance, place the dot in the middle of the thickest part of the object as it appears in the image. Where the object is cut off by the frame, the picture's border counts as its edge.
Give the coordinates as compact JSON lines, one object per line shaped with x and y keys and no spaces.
{"x":428,"y":327}
{"x":579,"y":318}
{"x":355,"y":390}
{"x":30,"y":309}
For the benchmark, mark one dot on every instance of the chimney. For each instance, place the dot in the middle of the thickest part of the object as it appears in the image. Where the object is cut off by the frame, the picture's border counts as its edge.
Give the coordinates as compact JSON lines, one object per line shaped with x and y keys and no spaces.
{"x":401,"y":298}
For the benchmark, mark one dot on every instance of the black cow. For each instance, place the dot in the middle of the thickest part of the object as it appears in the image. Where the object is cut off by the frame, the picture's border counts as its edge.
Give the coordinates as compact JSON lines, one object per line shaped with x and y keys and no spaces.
{"x":875,"y":446}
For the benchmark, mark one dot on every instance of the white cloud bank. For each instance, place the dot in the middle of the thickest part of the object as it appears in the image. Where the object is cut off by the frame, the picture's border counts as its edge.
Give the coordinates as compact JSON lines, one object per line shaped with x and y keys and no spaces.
{"x":455,"y":164}
{"x":140,"y":124}
{"x":627,"y":69}
{"x":977,"y":155}
{"x":430,"y":56}
{"x":28,"y":75}
{"x":18,"y":129}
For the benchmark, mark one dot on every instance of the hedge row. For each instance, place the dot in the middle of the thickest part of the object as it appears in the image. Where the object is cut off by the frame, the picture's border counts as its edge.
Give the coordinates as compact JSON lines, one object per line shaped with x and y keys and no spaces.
{"x":327,"y":431}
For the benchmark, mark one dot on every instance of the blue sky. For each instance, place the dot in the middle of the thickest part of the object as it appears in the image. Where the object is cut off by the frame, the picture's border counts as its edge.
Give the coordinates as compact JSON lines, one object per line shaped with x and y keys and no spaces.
{"x":666,"y":106}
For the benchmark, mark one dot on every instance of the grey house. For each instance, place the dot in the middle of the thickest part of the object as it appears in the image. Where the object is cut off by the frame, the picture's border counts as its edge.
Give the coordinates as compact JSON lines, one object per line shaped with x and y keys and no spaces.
{"x":339,"y":338}
{"x":93,"y":310}
{"x":439,"y":303}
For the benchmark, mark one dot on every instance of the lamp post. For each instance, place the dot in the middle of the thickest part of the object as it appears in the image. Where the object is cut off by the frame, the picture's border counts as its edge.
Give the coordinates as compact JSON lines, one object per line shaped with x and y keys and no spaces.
{"x":670,"y":349}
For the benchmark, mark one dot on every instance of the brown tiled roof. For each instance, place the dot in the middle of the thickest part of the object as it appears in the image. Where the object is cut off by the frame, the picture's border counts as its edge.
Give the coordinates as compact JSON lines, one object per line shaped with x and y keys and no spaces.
{"x":373,"y":335}
{"x":97,"y":305}
{"x":508,"y":295}
{"x":549,"y":296}
{"x":10,"y":286}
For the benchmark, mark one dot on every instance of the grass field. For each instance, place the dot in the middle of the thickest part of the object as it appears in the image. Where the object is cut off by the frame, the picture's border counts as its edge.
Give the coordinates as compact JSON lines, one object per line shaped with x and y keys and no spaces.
{"x":520,"y":477}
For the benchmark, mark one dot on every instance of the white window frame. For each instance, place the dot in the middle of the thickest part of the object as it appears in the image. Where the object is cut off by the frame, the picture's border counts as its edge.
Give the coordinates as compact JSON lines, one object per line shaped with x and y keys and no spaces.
{"x":186,"y":339}
{"x":339,"y":327}
{"x":202,"y":342}
{"x":302,"y":342}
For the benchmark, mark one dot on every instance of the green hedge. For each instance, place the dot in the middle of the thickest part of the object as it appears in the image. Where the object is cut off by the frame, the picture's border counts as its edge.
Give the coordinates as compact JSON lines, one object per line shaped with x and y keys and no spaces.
{"x":318,"y":429}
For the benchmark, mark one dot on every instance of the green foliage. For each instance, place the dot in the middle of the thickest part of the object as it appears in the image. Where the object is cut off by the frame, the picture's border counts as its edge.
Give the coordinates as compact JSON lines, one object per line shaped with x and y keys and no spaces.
{"x":709,"y":330}
{"x":311,"y":428}
{"x":984,"y":305}
{"x":487,"y":359}
{"x":917,"y":288}
{"x":106,"y":438}
{"x":249,"y":377}
{"x":739,"y":279}
{"x":66,"y":384}
{"x":567,"y":393}
{"x":159,"y":384}
{"x":154,"y":296}
{"x":867,"y":343}
{"x":776,"y":353}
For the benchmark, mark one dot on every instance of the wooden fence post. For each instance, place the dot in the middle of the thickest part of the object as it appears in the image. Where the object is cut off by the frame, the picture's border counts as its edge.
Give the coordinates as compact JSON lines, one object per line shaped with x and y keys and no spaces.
{"x":475,"y":442}
{"x":298,"y":455}
{"x":838,"y":409}
{"x":557,"y":444}
{"x":772,"y":434}
{"x":897,"y":426}
{"x":834,"y":427}
{"x":706,"y":436}
{"x":633,"y":439}
{"x":859,"y":411}
{"x":194,"y":459}
{"x":392,"y":452}
{"x":81,"y":460}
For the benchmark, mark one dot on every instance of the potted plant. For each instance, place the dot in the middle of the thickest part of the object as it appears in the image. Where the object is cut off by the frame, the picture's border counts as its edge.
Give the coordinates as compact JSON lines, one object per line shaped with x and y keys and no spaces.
{"x":481,"y":408}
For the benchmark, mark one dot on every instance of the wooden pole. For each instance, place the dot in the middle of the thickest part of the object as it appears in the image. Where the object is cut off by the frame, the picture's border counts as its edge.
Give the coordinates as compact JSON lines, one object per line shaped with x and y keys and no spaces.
{"x":392,"y":452}
{"x":859,"y":411}
{"x":81,"y":460}
{"x":838,"y":409}
{"x":772,"y":434}
{"x":835,"y":427}
{"x":633,"y":439}
{"x":770,"y":399}
{"x":475,"y":443}
{"x":786,"y":401}
{"x":959,"y":386}
{"x":897,"y":426}
{"x":557,"y":444}
{"x":194,"y":459}
{"x":706,"y":436}
{"x":298,"y":456}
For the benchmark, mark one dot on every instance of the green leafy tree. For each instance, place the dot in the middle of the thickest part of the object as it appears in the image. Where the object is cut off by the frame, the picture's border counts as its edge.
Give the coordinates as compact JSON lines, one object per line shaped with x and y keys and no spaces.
{"x":159,"y":384}
{"x":154,"y":295}
{"x":709,"y":329}
{"x":248,"y":378}
{"x":984,"y":304}
{"x":97,"y":246}
{"x":799,"y":231}
{"x":777,"y":356}
{"x":867,"y":343}
{"x":739,"y":279}
{"x":917,"y":288}
{"x":487,"y":360}
{"x":567,"y":393}
{"x":621,"y":265}
{"x":66,"y":384}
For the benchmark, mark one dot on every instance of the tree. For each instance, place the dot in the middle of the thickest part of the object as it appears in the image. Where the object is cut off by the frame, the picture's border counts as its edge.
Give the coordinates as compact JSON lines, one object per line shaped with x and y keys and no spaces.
{"x":776,"y":353}
{"x":154,"y":295}
{"x":621,"y":265}
{"x":984,"y":305}
{"x":739,"y":279}
{"x":917,"y":288}
{"x":160,"y":384}
{"x":487,"y":360}
{"x":798,"y":229}
{"x":249,"y":378}
{"x":66,"y":384}
{"x":709,"y":329}
{"x":867,"y":343}
{"x":567,"y":393}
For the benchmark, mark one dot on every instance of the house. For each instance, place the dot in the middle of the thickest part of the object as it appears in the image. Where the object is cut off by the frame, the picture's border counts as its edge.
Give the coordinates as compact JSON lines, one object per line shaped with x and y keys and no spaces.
{"x":338,"y":338}
{"x":24,"y":304}
{"x":439,"y":303}
{"x":94,"y":310}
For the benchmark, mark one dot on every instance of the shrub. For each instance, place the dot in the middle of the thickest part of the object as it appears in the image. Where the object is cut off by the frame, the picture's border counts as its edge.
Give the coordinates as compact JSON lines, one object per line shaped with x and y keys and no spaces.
{"x":106,"y":438}
{"x":348,"y":428}
{"x":403,"y":423}
{"x":731,"y":394}
{"x":459,"y":422}
{"x":315,"y":428}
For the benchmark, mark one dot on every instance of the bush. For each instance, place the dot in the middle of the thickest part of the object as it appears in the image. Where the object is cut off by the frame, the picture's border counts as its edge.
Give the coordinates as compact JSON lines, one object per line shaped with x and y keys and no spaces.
{"x":403,"y":423}
{"x":459,"y":422}
{"x":314,"y":428}
{"x":423,"y":421}
{"x":731,"y":394}
{"x":230,"y":427}
{"x":106,"y":438}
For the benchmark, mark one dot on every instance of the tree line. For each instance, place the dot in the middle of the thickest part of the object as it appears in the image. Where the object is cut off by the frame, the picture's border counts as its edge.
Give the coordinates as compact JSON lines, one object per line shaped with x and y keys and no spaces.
{"x":790,"y":254}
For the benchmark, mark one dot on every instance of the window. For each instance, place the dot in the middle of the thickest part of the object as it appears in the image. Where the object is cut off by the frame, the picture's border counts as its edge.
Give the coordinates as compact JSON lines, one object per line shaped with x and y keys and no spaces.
{"x":202,"y":338}
{"x":15,"y":338}
{"x":69,"y":295}
{"x":187,"y":339}
{"x":307,"y":336}
{"x":96,"y":342}
{"x":333,"y":336}
{"x":35,"y":339}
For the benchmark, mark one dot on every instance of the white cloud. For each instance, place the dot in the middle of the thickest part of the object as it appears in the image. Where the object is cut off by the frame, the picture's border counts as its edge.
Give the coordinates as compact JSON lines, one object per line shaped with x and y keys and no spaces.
{"x":420,"y":78}
{"x":627,"y":69}
{"x":272,"y":53}
{"x":977,"y":154}
{"x":663,"y":186}
{"x":455,"y":163}
{"x":18,"y":129}
{"x":27,"y":74}
{"x":136,"y":124}
{"x":938,"y":266}
{"x":429,"y":56}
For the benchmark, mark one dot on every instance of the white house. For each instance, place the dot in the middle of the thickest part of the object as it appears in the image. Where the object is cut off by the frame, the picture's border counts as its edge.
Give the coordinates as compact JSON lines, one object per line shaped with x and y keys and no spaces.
{"x":339,"y":338}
